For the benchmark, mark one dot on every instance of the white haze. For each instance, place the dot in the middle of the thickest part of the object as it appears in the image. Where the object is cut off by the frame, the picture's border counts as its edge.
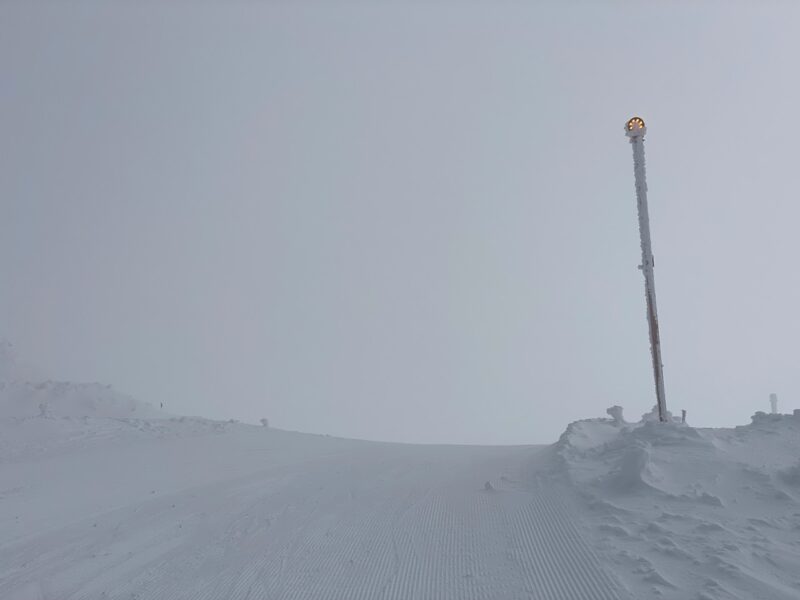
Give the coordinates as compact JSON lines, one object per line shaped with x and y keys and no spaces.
{"x":409,"y":222}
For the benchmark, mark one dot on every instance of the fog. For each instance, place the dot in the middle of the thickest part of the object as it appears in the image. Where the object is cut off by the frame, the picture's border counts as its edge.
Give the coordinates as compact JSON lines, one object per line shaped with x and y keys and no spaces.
{"x":409,"y":222}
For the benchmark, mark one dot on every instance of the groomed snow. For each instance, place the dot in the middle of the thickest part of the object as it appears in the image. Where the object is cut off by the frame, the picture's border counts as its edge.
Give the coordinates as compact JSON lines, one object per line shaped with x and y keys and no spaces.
{"x":104,"y":497}
{"x":101,"y":497}
{"x":188,"y":508}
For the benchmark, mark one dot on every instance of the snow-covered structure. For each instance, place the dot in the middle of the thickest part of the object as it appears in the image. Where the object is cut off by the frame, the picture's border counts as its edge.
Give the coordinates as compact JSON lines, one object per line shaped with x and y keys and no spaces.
{"x":635,"y":130}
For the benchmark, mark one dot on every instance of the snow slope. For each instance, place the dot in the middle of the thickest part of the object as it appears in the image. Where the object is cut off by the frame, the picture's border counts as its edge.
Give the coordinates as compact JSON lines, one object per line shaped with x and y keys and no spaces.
{"x":101,"y":497}
{"x":104,"y":497}
{"x":202,"y":510}
{"x":23,"y":395}
{"x":678,"y":512}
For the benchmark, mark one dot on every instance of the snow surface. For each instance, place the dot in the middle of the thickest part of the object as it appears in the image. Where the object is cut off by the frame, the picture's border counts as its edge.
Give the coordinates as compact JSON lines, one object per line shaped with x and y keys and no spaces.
{"x":187,"y":508}
{"x":678,"y":512}
{"x":104,"y":497}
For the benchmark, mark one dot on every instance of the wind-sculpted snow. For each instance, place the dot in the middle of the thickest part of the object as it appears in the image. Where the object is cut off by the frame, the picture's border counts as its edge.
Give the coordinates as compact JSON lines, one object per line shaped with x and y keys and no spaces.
{"x":679,"y":512}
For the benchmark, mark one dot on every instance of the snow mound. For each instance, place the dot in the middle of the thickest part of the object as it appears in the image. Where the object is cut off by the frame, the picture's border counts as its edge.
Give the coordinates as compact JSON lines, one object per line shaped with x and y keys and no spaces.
{"x":624,"y":457}
{"x":680,"y":512}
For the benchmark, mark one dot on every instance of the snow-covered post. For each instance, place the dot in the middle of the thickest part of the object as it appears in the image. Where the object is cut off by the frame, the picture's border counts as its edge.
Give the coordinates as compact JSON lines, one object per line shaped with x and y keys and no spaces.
{"x":635,"y":130}
{"x":773,"y":401}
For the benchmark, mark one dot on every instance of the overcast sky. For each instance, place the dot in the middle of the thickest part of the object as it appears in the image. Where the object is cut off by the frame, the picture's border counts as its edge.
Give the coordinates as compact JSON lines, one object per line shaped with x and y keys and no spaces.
{"x":402,"y":221}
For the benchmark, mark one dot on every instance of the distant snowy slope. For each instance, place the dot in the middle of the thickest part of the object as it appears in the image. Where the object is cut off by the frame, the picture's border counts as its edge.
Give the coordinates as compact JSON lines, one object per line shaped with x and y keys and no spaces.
{"x":679,"y":512}
{"x":24,"y":395}
{"x":65,"y":399}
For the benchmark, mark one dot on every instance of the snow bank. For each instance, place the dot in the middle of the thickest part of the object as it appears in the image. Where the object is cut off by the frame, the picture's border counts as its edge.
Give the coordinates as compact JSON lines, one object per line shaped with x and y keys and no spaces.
{"x":680,"y":512}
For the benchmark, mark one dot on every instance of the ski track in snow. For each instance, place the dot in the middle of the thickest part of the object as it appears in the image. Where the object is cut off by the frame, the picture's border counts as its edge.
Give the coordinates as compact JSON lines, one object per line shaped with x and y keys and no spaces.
{"x":349,"y":521}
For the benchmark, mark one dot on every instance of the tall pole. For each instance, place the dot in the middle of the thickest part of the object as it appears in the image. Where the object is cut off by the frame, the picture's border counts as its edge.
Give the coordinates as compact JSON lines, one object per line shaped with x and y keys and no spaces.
{"x":635,"y":131}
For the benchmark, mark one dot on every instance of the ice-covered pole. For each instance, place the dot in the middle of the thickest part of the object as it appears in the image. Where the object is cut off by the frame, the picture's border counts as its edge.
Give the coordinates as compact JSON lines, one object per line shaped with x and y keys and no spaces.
{"x":635,"y":130}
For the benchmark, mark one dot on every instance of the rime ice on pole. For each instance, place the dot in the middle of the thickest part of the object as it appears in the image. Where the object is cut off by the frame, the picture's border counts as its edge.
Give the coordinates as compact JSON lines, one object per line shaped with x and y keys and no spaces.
{"x":635,"y":130}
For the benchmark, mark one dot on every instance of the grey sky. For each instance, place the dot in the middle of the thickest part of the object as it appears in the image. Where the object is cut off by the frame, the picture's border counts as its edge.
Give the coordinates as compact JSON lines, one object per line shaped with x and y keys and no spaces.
{"x":402,"y":221}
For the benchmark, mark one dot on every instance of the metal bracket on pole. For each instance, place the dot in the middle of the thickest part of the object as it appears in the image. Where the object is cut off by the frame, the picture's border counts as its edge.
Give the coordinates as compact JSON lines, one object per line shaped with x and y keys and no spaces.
{"x":635,"y":130}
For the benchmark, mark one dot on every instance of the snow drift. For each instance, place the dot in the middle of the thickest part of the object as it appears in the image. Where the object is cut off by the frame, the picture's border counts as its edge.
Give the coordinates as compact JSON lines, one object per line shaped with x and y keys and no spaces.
{"x":679,"y":512}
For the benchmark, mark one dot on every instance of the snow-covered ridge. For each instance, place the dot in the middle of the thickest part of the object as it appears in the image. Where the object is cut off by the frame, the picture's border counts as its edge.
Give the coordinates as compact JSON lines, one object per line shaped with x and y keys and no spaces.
{"x":24,"y":395}
{"x":681,"y":512}
{"x":25,"y":399}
